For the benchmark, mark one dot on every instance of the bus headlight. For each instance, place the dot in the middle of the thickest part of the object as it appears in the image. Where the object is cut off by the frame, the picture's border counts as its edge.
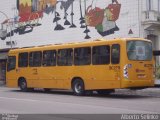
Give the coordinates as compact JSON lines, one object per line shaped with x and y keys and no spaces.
{"x":125,"y":71}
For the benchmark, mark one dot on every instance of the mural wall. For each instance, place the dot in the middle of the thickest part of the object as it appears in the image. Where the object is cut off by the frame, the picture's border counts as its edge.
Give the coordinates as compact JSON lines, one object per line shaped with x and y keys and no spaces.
{"x":38,"y":22}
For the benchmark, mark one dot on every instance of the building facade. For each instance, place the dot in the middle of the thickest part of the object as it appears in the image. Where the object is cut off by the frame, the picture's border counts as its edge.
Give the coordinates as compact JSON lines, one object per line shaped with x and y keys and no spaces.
{"x":25,"y":23}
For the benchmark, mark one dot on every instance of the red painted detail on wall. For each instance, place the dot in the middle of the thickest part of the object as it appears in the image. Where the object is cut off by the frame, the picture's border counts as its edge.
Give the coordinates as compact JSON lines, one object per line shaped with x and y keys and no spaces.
{"x":30,"y":16}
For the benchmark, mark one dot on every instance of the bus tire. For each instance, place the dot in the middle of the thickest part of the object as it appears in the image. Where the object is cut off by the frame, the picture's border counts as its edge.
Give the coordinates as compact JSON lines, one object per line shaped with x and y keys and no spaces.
{"x":23,"y":85}
{"x":78,"y":87}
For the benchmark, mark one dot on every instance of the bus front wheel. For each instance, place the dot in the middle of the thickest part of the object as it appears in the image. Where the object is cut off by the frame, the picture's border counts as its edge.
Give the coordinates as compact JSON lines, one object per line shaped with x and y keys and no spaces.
{"x":78,"y":87}
{"x":23,"y":85}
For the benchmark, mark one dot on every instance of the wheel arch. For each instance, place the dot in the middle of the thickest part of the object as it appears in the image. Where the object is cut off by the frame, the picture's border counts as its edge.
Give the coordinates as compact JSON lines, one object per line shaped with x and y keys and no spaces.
{"x":74,"y":79}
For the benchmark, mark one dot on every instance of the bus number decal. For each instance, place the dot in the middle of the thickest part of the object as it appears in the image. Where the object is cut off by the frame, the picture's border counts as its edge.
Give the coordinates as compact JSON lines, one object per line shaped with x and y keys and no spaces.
{"x":115,"y":68}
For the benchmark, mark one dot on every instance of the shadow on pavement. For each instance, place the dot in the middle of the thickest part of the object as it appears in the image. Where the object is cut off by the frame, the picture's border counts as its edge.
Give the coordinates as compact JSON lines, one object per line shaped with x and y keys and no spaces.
{"x":116,"y":95}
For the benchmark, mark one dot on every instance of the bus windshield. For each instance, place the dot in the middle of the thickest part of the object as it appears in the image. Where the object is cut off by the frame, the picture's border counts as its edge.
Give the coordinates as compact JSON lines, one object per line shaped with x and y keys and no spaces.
{"x":139,"y":50}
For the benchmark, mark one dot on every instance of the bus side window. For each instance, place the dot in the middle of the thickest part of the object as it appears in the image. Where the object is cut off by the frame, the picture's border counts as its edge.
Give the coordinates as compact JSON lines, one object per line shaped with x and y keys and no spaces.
{"x":35,"y":59}
{"x":23,"y":59}
{"x":101,"y":55}
{"x":65,"y":57}
{"x":11,"y":64}
{"x":115,"y":54}
{"x":49,"y":58}
{"x":82,"y":56}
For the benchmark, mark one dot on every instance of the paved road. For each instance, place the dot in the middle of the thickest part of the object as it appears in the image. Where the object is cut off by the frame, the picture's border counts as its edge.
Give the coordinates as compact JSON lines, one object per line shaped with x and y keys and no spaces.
{"x":62,"y":102}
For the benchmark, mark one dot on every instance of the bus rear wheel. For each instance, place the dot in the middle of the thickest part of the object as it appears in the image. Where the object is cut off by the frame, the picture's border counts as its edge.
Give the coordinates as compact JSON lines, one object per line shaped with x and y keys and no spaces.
{"x":23,"y":85}
{"x":78,"y":87}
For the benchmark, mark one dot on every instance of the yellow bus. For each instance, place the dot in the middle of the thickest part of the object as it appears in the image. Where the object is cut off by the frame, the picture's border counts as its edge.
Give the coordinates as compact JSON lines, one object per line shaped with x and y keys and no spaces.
{"x":100,"y":65}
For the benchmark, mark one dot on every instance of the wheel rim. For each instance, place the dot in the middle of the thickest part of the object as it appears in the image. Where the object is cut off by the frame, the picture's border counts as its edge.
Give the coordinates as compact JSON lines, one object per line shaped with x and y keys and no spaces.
{"x":23,"y":85}
{"x":78,"y":88}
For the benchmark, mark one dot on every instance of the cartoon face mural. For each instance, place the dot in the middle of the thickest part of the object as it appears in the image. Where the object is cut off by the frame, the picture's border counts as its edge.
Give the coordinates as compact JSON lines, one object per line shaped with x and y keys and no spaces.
{"x":63,"y":11}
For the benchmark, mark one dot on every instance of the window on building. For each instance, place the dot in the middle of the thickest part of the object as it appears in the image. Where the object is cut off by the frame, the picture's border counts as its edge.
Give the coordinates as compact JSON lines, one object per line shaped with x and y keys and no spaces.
{"x":65,"y":57}
{"x":149,"y":4}
{"x":101,"y":55}
{"x":115,"y":54}
{"x":11,"y":64}
{"x":159,"y":5}
{"x":35,"y":59}
{"x":23,"y":60}
{"x":49,"y":58}
{"x":82,"y":56}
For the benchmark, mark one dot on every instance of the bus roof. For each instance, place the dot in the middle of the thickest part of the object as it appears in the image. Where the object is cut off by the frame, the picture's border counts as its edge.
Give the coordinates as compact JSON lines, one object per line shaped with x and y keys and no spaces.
{"x":74,"y":44}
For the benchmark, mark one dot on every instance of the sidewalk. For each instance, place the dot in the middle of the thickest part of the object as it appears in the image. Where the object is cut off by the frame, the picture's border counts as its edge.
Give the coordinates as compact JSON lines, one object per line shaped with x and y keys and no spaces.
{"x":157,"y":82}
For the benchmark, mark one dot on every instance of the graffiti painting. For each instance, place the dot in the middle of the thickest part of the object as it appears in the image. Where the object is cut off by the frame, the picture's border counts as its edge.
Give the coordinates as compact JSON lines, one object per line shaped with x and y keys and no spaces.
{"x":30,"y":12}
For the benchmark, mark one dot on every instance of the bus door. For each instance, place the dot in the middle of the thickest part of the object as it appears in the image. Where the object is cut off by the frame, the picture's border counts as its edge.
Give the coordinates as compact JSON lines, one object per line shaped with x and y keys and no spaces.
{"x":48,"y":71}
{"x":140,"y":65}
{"x":64,"y":68}
{"x":11,"y":71}
{"x":35,"y":59}
{"x":34,"y":76}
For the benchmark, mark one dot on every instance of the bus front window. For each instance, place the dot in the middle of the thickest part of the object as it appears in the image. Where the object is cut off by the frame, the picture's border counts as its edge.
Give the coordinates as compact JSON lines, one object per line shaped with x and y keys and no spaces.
{"x":139,"y":50}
